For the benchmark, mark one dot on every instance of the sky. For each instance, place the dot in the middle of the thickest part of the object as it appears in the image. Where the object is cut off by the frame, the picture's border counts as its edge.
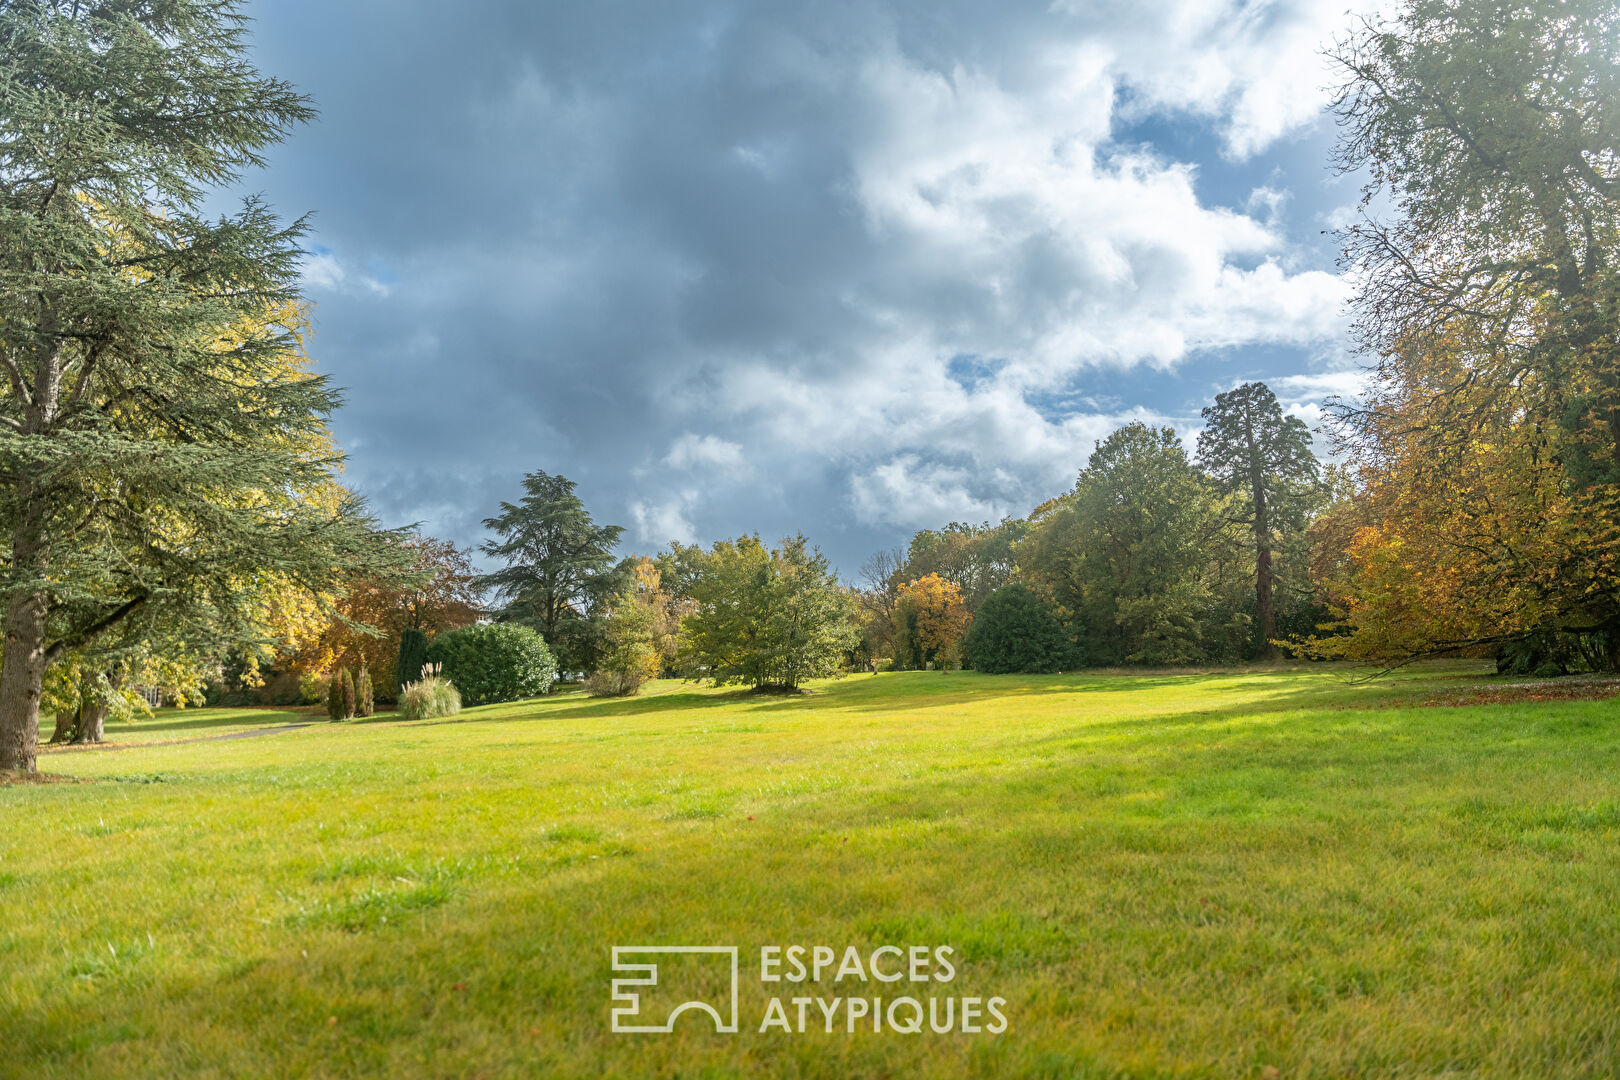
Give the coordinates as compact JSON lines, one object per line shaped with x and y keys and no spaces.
{"x":849,"y":269}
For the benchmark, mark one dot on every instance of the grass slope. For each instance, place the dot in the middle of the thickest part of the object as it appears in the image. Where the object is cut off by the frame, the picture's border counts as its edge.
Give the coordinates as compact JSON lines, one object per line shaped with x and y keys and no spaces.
{"x":1215,"y":875}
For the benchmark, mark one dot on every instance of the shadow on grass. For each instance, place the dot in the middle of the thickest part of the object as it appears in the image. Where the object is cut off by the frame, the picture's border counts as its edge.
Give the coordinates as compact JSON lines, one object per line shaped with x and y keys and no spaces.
{"x":185,"y":721}
{"x":1243,"y":692}
{"x":1264,"y":690}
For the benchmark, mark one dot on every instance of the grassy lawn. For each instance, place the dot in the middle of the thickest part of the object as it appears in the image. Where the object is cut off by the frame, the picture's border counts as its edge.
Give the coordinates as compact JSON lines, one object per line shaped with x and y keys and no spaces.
{"x":1223,"y":875}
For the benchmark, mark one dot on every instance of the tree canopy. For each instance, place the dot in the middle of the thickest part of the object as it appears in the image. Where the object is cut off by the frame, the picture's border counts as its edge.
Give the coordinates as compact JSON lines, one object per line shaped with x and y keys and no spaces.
{"x":768,"y":617}
{"x":1487,"y":510}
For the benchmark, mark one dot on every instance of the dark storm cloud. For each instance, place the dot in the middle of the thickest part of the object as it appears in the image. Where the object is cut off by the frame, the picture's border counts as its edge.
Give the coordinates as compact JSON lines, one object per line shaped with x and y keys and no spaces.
{"x":716,"y":261}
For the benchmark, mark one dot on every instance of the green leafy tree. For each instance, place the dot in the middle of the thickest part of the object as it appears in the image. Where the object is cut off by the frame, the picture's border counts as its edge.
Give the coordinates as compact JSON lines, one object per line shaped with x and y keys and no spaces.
{"x":641,"y":636}
{"x":559,"y":564}
{"x":770,"y":618}
{"x":350,"y":699}
{"x":1255,"y":451}
{"x":679,"y":569}
{"x":160,"y":448}
{"x":1016,"y":630}
{"x":492,"y":662}
{"x":977,"y":559}
{"x":1143,"y":554}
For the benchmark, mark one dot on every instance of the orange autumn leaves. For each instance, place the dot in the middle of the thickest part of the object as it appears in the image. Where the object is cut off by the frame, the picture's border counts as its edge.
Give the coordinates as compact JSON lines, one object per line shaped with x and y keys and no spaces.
{"x":1467,"y":528}
{"x":931,"y":620}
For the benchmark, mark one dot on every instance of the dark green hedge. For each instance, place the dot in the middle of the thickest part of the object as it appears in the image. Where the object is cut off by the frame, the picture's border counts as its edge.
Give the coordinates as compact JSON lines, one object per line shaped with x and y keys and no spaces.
{"x":494,"y":662}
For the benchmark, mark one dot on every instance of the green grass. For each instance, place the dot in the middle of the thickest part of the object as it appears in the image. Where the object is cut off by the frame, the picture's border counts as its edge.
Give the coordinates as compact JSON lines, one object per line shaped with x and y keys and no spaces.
{"x":1165,"y":875}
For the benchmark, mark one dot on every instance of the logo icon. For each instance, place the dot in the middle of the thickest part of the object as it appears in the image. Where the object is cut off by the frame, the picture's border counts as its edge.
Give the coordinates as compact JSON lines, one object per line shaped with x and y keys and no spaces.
{"x":697,"y":967}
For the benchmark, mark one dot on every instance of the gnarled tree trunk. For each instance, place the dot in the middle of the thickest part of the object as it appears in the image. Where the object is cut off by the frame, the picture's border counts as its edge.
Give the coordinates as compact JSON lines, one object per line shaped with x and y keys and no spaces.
{"x":67,"y":726}
{"x":92,"y":722}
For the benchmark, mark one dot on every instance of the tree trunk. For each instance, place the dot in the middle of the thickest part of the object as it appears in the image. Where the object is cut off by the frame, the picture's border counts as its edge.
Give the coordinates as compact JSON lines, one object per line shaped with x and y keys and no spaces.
{"x":23,"y":659}
{"x":92,"y":722}
{"x":22,"y":681}
{"x":93,"y":708}
{"x":67,"y":726}
{"x":1264,"y":610}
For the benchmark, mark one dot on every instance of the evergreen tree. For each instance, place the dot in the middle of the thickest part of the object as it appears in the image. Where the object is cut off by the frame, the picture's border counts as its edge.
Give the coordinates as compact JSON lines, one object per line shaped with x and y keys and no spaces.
{"x":559,"y":563}
{"x":349,"y":702}
{"x":157,"y":446}
{"x":413,"y":653}
{"x":334,"y":696}
{"x":1252,"y":449}
{"x":1017,"y":631}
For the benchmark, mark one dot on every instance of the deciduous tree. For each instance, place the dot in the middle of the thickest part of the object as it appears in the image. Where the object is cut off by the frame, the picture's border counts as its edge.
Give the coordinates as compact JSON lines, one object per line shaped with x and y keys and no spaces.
{"x":1488,"y":487}
{"x":771,"y":618}
{"x":930,"y":619}
{"x":1143,"y":554}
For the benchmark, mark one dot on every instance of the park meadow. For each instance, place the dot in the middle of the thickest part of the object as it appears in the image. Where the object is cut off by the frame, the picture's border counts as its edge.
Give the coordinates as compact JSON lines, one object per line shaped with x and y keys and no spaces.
{"x":1064,"y":541}
{"x":1285,"y":872}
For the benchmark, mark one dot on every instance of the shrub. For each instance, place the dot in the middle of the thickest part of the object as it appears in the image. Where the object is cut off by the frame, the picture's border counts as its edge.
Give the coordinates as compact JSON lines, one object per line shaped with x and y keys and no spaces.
{"x":334,"y":696}
{"x":614,"y":682}
{"x":413,"y":653}
{"x":1016,"y":630}
{"x":363,"y":703}
{"x":348,"y":694}
{"x":495,"y":662}
{"x":433,"y":696}
{"x":312,"y":689}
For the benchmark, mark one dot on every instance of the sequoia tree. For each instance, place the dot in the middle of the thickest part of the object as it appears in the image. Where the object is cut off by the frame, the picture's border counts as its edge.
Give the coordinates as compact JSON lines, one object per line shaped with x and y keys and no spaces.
{"x":1252,"y":449}
{"x":162,"y":448}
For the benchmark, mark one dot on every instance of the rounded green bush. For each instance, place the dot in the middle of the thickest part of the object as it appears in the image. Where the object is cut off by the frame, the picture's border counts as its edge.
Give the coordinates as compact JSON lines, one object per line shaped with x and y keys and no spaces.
{"x":1016,"y":631}
{"x":494,"y":662}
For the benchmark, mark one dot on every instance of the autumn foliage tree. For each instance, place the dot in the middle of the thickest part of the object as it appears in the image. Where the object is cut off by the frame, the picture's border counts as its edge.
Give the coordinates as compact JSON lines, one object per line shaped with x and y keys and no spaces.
{"x":930,"y":620}
{"x":642,"y":635}
{"x":1487,"y":511}
{"x":440,"y":592}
